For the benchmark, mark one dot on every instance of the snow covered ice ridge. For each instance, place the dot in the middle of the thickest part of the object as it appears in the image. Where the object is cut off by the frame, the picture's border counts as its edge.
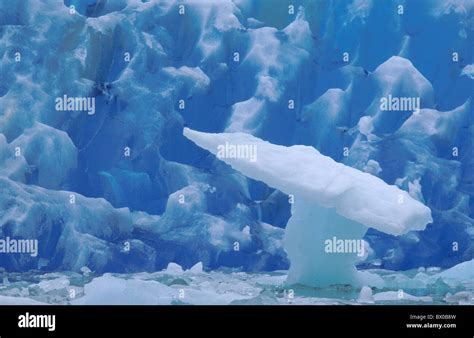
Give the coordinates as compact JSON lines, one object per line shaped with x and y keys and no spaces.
{"x":330,"y":199}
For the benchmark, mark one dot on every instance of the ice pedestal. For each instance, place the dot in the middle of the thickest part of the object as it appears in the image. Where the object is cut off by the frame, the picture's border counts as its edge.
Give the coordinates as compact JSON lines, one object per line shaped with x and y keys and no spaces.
{"x":330,"y":200}
{"x":305,"y":243}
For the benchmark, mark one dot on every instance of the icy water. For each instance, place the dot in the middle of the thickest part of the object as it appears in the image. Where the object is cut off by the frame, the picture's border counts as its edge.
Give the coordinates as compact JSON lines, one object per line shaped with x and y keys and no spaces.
{"x":194,"y":286}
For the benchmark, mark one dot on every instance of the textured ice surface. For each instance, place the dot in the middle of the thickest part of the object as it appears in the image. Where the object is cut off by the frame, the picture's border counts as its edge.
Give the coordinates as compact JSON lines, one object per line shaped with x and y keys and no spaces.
{"x":69,"y":230}
{"x":282,"y":57}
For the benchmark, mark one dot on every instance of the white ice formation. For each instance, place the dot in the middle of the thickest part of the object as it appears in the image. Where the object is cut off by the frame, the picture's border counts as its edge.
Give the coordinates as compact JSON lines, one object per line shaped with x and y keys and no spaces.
{"x":331,"y":200}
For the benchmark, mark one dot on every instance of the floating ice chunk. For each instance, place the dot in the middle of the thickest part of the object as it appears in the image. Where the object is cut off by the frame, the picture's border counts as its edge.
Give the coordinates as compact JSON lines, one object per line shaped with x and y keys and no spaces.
{"x":196,"y":268}
{"x":330,"y":200}
{"x":368,"y":279}
{"x":211,"y":297}
{"x":174,"y":269}
{"x":462,"y":297}
{"x":399,"y":280}
{"x":54,"y":284}
{"x":111,"y":290}
{"x":9,"y":300}
{"x":399,"y":296}
{"x":366,"y":296}
{"x":462,"y":271}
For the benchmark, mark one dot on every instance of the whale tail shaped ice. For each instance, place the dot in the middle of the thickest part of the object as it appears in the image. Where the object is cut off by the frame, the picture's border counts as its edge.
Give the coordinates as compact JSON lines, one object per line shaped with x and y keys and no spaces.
{"x":333,"y":204}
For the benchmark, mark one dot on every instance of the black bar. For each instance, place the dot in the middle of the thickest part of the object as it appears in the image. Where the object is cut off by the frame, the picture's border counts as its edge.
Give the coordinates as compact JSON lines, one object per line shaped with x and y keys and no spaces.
{"x":246,"y":321}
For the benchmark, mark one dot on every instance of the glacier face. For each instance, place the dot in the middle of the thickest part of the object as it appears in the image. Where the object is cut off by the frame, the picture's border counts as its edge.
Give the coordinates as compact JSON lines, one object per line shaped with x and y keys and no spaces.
{"x":289,"y":84}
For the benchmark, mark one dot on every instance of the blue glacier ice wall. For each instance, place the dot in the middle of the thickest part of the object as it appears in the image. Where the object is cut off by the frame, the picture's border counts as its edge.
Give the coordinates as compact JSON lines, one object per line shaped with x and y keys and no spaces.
{"x":171,"y":201}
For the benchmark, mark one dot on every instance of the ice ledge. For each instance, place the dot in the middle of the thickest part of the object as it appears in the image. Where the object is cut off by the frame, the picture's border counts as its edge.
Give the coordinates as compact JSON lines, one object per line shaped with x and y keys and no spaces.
{"x":302,"y":171}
